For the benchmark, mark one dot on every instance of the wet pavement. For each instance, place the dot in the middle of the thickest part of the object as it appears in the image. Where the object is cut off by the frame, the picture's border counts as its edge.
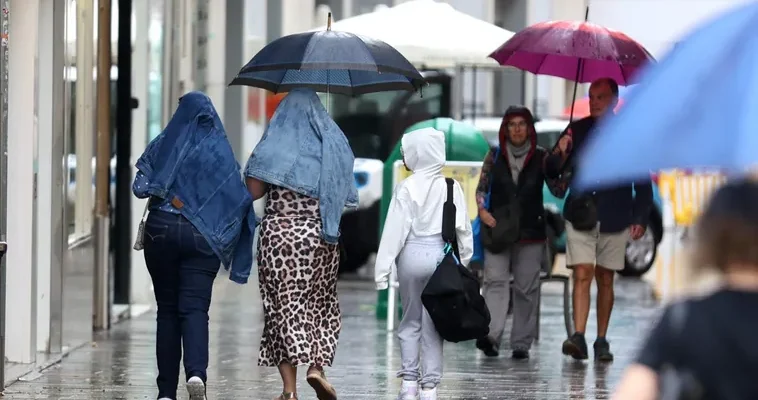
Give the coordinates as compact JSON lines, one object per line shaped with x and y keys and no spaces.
{"x":120,"y":364}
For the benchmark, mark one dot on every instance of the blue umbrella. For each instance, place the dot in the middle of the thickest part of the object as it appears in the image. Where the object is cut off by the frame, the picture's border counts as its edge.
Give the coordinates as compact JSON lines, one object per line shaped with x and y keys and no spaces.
{"x":329,"y":61}
{"x":696,"y":108}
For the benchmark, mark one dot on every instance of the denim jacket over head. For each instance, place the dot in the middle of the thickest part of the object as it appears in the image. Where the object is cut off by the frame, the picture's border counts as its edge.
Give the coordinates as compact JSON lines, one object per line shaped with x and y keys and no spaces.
{"x":191,"y":164}
{"x":305,"y":151}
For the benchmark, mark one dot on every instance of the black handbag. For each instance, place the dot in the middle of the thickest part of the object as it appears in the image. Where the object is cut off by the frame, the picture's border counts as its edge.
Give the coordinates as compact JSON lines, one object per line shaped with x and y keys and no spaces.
{"x":581,"y":211}
{"x":506,"y":231}
{"x":452,"y":296}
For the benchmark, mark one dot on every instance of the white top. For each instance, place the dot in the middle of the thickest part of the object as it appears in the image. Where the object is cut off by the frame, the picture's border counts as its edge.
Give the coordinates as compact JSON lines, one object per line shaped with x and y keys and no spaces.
{"x":417,"y":203}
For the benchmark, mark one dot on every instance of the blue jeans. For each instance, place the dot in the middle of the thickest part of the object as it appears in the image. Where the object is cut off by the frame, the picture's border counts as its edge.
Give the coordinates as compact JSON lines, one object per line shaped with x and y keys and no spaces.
{"x":183,"y":267}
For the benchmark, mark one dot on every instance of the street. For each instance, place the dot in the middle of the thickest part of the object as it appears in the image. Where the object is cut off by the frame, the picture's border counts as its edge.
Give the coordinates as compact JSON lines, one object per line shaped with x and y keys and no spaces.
{"x":120,"y":364}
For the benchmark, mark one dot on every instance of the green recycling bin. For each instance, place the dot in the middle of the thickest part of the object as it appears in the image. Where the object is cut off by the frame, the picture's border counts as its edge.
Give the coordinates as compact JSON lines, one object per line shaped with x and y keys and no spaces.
{"x":463,"y":143}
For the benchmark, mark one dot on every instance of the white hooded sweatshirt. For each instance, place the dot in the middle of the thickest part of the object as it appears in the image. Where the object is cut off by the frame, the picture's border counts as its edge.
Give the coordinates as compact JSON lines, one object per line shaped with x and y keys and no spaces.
{"x":417,"y":203}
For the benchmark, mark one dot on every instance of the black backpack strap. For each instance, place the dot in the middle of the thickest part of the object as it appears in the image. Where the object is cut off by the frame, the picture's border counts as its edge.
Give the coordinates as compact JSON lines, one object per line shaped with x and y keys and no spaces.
{"x":448,"y":219}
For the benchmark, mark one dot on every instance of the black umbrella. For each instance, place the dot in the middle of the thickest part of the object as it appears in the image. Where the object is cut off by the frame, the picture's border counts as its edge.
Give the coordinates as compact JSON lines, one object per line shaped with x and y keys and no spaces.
{"x":329,"y":61}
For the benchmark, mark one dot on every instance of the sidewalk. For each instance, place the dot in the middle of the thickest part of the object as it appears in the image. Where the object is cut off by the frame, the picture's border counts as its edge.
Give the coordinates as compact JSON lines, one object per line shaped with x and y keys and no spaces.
{"x":77,"y":309}
{"x":121,"y":364}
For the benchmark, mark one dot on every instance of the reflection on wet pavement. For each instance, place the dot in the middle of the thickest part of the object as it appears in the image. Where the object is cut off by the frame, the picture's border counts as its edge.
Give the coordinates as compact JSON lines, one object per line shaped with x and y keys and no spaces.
{"x":121,"y":364}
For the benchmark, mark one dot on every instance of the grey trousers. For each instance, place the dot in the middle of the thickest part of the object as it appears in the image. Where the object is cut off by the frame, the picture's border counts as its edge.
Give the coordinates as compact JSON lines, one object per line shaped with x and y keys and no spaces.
{"x":523,"y":262}
{"x":420,"y":344}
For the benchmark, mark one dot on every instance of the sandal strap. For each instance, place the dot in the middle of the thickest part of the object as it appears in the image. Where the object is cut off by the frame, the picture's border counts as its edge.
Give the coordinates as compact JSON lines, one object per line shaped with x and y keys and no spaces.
{"x":287,"y":396}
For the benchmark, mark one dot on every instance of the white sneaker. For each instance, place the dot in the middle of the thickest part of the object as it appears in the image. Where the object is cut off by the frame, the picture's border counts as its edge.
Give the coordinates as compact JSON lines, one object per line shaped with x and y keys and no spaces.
{"x":408,"y":391}
{"x":196,"y":388}
{"x":164,"y":398}
{"x":429,"y":394}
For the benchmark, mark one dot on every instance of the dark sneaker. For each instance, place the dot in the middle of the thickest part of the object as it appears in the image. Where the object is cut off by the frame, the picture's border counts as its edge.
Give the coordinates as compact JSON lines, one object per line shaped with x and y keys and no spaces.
{"x":576,"y":347}
{"x":602,"y":350}
{"x":520,"y":354}
{"x":486,"y":345}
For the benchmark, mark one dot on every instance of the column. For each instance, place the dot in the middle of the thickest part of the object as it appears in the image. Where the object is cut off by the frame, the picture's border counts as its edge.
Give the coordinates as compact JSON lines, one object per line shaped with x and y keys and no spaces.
{"x":188,"y":66}
{"x":560,"y":89}
{"x":171,"y":57}
{"x":4,"y":20}
{"x":285,"y":17}
{"x":347,"y":9}
{"x":215,"y":55}
{"x":140,"y":292}
{"x":540,"y":10}
{"x":297,"y":16}
{"x":235,"y":98}
{"x":85,"y":116}
{"x":21,"y":342}
{"x":50,"y":227}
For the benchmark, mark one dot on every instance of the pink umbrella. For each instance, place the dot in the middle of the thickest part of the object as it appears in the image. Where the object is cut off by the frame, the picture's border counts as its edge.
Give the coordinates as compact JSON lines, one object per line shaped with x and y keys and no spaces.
{"x":573,"y":50}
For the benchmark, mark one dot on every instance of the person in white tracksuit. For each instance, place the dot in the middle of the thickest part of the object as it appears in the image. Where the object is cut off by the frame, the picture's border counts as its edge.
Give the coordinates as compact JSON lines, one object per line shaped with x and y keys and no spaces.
{"x":412,"y":242}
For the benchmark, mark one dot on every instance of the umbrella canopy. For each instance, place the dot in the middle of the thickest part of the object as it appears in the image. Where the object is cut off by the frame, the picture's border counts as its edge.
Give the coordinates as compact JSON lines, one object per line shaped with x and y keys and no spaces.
{"x":329,"y":61}
{"x":429,"y":32}
{"x":556,"y":48}
{"x":667,"y":122}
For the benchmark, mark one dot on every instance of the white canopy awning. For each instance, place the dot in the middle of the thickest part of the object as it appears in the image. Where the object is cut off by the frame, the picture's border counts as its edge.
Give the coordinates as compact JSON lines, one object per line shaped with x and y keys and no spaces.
{"x":430,"y":33}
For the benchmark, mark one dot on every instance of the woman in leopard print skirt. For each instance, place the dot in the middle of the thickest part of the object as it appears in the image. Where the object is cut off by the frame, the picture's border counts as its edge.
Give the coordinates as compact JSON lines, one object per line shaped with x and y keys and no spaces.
{"x":306,"y":168}
{"x":297,"y":273}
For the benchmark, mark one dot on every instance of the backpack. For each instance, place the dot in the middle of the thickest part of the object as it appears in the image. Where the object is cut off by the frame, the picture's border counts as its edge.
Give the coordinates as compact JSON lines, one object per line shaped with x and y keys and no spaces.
{"x":452,"y":295}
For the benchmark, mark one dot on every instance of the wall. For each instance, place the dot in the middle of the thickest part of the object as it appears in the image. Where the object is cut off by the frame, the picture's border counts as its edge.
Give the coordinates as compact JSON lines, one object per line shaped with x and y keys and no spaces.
{"x":657,"y":24}
{"x":511,"y":84}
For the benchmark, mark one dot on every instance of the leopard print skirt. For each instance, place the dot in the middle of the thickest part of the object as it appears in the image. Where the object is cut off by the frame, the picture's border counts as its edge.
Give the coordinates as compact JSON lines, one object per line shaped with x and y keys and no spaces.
{"x":297,"y":273}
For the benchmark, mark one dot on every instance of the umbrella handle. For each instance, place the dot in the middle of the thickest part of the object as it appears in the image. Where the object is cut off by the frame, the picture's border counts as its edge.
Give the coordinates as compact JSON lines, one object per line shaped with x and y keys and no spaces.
{"x":579,"y":65}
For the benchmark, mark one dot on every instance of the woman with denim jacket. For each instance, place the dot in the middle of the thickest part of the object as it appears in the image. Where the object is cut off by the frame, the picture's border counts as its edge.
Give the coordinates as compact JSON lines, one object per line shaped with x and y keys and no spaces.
{"x":305,"y":165}
{"x":201,"y":216}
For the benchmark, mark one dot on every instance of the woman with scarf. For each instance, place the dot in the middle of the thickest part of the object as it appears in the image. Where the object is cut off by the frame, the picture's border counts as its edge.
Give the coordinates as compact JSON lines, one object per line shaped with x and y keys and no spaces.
{"x":511,"y":213}
{"x":305,"y":166}
{"x":413,"y":235}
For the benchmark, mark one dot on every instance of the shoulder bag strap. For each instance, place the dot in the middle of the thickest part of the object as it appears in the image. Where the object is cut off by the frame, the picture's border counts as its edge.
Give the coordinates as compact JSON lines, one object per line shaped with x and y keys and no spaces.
{"x":144,"y":212}
{"x":448,"y":219}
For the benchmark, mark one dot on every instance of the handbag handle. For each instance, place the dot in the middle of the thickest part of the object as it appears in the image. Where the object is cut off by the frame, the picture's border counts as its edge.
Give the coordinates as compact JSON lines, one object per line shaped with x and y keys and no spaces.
{"x":449,"y":234}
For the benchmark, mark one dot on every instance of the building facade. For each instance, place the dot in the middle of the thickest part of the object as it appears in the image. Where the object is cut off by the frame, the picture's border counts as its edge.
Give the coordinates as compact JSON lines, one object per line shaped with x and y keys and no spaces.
{"x":48,"y":52}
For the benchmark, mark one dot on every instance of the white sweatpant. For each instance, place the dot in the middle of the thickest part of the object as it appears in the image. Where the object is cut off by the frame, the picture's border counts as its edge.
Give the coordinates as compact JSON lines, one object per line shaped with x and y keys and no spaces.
{"x":419,"y":341}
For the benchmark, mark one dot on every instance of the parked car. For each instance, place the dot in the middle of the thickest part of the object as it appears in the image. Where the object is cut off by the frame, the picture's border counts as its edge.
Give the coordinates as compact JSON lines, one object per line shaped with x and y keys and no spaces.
{"x":640,"y":254}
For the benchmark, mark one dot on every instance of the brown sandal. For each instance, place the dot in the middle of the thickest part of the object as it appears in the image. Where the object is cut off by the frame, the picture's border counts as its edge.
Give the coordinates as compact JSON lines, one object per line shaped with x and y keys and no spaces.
{"x":324,"y":390}
{"x":287,"y":396}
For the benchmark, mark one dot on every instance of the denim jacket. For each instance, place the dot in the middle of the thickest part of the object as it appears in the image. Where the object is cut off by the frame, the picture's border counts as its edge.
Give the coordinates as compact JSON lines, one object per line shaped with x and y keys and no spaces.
{"x":305,"y":151}
{"x":192,"y":165}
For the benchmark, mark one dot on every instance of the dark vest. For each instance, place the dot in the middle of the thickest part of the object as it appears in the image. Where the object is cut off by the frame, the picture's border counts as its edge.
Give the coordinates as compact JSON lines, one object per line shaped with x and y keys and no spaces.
{"x":527,"y":192}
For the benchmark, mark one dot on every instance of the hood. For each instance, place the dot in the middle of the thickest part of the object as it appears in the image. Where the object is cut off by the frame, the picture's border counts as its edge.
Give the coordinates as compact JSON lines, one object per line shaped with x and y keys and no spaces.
{"x":194,"y":119}
{"x":301,"y":110}
{"x":318,"y":159}
{"x":517,"y":111}
{"x":196,"y":105}
{"x":424,"y":151}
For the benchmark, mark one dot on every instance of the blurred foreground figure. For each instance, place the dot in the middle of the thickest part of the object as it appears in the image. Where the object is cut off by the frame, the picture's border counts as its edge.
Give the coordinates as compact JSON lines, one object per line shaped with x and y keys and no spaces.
{"x":705,"y":348}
